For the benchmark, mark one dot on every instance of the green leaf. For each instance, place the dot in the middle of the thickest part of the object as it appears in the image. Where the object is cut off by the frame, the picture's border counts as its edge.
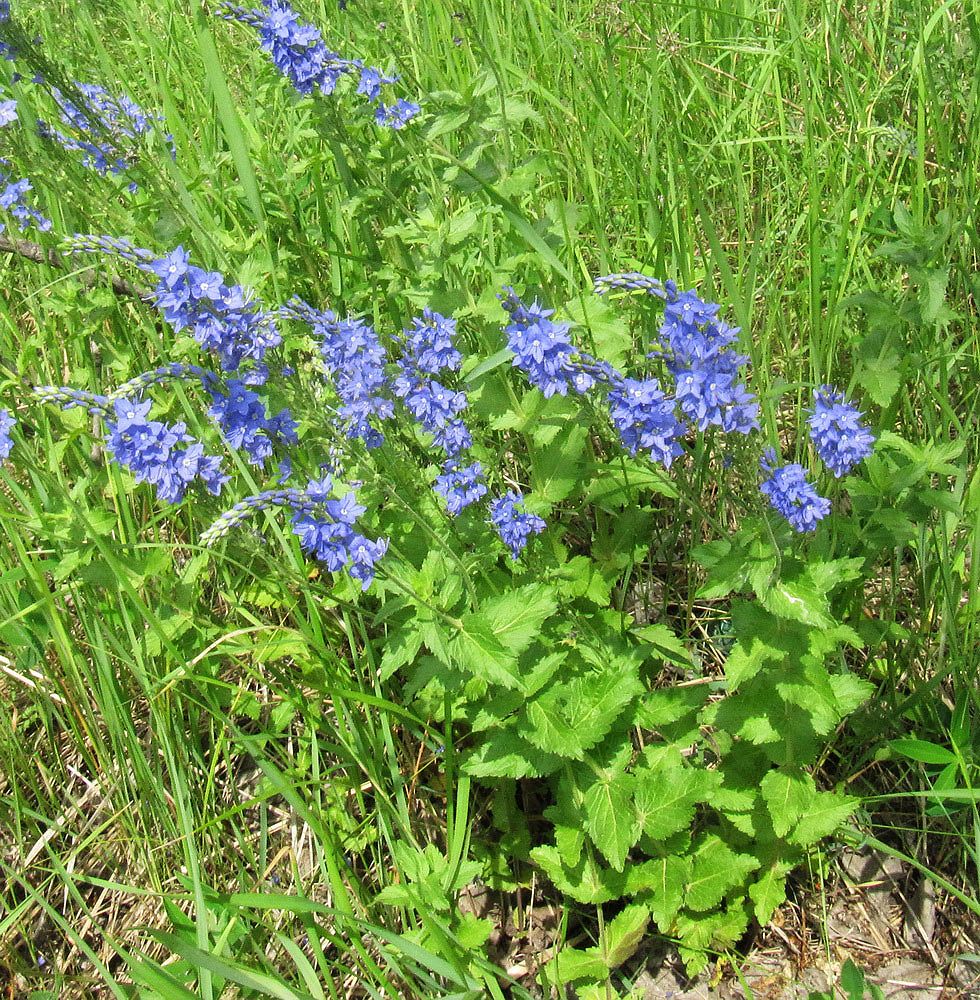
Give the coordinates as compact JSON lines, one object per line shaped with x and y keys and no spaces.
{"x":478,"y":650}
{"x":701,"y":934}
{"x":667,"y":793}
{"x":585,"y":882}
{"x":619,"y":483}
{"x":624,"y":934}
{"x":798,"y":601}
{"x":607,"y":325}
{"x":717,"y":869}
{"x":503,"y":754}
{"x":610,"y":818}
{"x":769,"y":892}
{"x":666,"y":879}
{"x":568,"y":719}
{"x":557,"y":469}
{"x":824,"y":816}
{"x":788,"y":796}
{"x":880,"y":377}
{"x":572,"y":964}
{"x":515,"y":617}
{"x":668,"y":646}
{"x":924,"y":752}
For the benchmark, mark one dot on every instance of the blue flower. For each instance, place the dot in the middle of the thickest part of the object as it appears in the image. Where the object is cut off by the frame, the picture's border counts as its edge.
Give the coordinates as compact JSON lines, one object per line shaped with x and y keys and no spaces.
{"x":429,"y":343}
{"x":397,"y":115}
{"x":241,"y":415}
{"x":161,"y":454}
{"x":355,"y":359}
{"x":8,"y":113}
{"x":12,"y":200}
{"x":515,"y":527}
{"x":460,"y":485}
{"x":836,"y":430}
{"x":107,"y":128}
{"x":791,"y":494}
{"x":644,"y":416}
{"x":6,"y":426}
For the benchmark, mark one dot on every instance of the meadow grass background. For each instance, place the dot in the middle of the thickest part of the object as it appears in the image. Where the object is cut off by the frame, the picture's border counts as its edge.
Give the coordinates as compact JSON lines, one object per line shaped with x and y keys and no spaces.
{"x":175,"y":726}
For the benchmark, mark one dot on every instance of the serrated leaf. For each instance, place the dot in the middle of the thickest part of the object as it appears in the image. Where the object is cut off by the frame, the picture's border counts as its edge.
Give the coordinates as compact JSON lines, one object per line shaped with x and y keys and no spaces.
{"x":569,"y":719}
{"x":700,"y":935}
{"x":769,"y":892}
{"x":558,"y":469}
{"x":797,"y":601}
{"x":716,"y":869}
{"x":880,"y":377}
{"x":585,"y":882}
{"x":503,"y":754}
{"x":400,"y":650}
{"x":666,"y":879}
{"x":624,"y":934}
{"x":788,"y":796}
{"x":607,"y":325}
{"x":850,"y":692}
{"x":667,"y":794}
{"x":610,"y":818}
{"x":573,"y":964}
{"x":478,"y":650}
{"x":825,"y":815}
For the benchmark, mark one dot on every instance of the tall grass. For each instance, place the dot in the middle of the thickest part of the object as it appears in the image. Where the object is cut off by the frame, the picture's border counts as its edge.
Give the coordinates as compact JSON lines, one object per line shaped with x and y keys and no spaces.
{"x":181,"y":732}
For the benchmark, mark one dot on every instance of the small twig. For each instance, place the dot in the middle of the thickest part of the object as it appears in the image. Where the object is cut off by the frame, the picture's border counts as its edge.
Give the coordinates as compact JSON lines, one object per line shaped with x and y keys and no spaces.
{"x":88,"y":277}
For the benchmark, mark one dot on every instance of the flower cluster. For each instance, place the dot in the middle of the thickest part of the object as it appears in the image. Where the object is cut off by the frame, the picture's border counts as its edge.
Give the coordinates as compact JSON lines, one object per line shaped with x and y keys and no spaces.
{"x":6,"y":426}
{"x":514,"y":526}
{"x":105,"y":128}
{"x":12,"y":193}
{"x":242,"y":417}
{"x":329,"y":534}
{"x":429,"y":350}
{"x":791,"y":494}
{"x":221,"y":317}
{"x":13,"y":200}
{"x":299,"y":53}
{"x":706,"y":370}
{"x":644,"y":416}
{"x":158,"y":453}
{"x":836,"y":430}
{"x":544,"y":352}
{"x":354,"y":358}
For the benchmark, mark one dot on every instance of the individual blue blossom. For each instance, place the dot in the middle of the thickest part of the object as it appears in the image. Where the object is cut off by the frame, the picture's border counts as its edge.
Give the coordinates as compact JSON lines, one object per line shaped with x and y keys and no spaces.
{"x":162,"y":454}
{"x":8,"y":113}
{"x":644,"y":416}
{"x":711,"y":394}
{"x":354,"y":358}
{"x":514,"y":526}
{"x":791,"y":494}
{"x":544,"y":352}
{"x":105,"y":129}
{"x":459,"y":485}
{"x":6,"y":426}
{"x":371,"y":82}
{"x":241,"y":415}
{"x":841,"y":440}
{"x":397,"y":115}
{"x":13,"y":200}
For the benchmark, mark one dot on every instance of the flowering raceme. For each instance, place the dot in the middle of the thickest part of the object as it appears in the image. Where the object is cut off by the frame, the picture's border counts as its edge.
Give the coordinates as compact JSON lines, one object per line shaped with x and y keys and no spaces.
{"x":105,"y":129}
{"x":222,"y":318}
{"x":514,"y":526}
{"x":354,"y":358}
{"x":791,"y":494}
{"x":7,"y":423}
{"x":836,"y":430}
{"x":297,"y":50}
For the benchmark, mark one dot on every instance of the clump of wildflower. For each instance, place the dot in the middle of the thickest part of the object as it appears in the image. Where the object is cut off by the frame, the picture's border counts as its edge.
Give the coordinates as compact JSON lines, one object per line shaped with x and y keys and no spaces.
{"x":354,"y":358}
{"x":460,"y":485}
{"x":222,"y":318}
{"x":299,"y":53}
{"x":429,"y":350}
{"x":158,"y":453}
{"x":544,"y":352}
{"x":243,"y":419}
{"x":328,"y":533}
{"x":644,"y":416}
{"x":514,"y":526}
{"x":791,"y":494}
{"x":105,"y":128}
{"x":7,"y":423}
{"x":13,"y":200}
{"x":841,"y":440}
